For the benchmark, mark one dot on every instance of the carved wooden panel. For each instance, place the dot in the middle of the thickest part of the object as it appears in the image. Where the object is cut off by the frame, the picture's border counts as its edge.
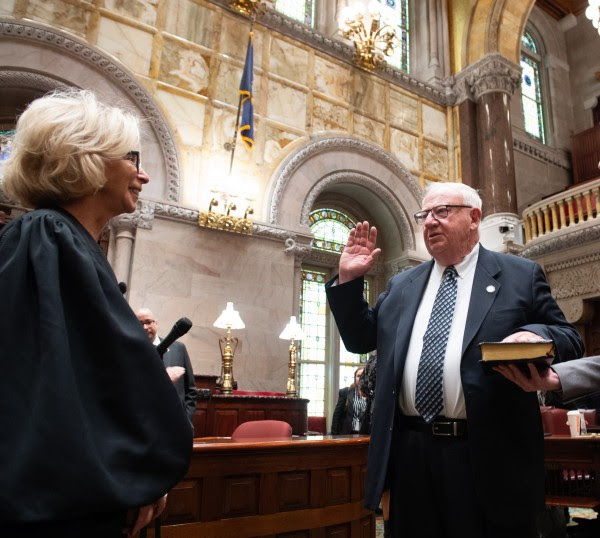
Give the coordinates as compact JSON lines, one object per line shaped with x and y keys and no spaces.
{"x":240,"y":496}
{"x":225,"y":421}
{"x":248,"y":415}
{"x":301,"y":488}
{"x":338,"y":531}
{"x":184,"y":502}
{"x":219,"y":415}
{"x":337,"y":486}
{"x":294,"y":490}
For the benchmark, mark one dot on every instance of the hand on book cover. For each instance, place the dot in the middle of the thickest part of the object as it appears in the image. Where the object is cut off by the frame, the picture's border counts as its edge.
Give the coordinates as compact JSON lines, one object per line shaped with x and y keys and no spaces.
{"x":523,"y":336}
{"x":546,"y":379}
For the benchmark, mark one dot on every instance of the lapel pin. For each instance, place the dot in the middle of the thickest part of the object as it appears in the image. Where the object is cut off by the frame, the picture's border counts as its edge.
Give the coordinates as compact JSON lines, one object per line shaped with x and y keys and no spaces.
{"x":490,"y":289}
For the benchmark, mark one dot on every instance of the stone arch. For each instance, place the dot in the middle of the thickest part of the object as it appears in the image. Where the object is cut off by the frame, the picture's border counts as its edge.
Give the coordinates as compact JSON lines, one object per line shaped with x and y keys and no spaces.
{"x":354,"y":168}
{"x":42,"y":58}
{"x":495,"y":26}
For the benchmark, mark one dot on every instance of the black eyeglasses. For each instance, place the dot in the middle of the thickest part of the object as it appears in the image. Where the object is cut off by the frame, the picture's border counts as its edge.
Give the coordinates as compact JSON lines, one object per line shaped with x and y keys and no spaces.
{"x":438,"y":212}
{"x":134,"y":157}
{"x":145,"y":322}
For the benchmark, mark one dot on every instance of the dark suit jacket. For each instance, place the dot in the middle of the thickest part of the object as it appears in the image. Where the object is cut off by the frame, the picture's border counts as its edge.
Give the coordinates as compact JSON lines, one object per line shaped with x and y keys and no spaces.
{"x":342,"y":416}
{"x":504,"y":426}
{"x":177,"y":355}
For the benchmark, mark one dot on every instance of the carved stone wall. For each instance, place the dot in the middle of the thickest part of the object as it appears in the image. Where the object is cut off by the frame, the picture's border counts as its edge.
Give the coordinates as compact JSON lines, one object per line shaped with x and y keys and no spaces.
{"x":44,"y":58}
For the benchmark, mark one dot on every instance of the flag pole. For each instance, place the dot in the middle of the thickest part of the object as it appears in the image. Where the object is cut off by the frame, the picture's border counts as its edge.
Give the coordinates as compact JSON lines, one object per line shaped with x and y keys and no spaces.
{"x":237,"y":124}
{"x":237,"y":119}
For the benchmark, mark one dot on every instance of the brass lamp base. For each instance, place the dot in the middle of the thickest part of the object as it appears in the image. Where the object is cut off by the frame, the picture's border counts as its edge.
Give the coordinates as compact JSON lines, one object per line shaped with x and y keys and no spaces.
{"x":227,"y":361}
{"x":291,"y":382}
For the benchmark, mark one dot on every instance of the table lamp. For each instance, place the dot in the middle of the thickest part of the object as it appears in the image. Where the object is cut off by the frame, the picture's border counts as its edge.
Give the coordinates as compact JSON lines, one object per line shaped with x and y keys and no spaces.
{"x":229,"y":319}
{"x":292,"y":332}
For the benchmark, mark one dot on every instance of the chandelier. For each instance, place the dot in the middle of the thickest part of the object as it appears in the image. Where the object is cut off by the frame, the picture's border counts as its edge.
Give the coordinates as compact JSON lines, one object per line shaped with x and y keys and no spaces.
{"x":593,"y":13}
{"x":373,"y":37}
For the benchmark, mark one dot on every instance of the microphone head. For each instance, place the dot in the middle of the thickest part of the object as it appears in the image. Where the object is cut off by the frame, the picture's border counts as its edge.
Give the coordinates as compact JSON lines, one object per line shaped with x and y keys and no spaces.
{"x":183,"y":325}
{"x":123,"y":287}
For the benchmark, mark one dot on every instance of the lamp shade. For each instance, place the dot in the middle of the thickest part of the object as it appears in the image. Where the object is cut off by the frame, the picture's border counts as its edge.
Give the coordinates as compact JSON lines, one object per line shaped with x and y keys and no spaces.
{"x":292,"y":331}
{"x":229,"y":318}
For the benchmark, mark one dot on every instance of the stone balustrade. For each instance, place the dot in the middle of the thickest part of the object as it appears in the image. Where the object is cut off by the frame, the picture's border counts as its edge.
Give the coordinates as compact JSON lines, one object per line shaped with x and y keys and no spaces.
{"x":578,"y":204}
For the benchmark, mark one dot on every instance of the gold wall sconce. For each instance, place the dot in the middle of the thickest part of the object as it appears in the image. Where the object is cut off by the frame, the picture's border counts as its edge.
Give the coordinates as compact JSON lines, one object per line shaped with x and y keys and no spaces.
{"x":250,"y":8}
{"x":225,"y":220}
{"x":292,"y":332}
{"x":373,"y":38}
{"x":229,"y":319}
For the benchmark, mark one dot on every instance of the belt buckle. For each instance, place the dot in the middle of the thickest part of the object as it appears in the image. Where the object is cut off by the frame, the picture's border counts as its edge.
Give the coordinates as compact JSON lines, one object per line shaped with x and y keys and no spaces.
{"x":436,"y":425}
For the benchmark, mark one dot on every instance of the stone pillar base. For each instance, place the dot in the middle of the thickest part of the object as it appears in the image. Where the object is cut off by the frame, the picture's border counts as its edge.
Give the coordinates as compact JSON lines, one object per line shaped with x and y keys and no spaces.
{"x":501,"y":232}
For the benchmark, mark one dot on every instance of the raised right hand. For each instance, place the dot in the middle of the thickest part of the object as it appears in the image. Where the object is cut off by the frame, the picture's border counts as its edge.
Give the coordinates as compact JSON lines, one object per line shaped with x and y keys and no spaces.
{"x":360,"y":253}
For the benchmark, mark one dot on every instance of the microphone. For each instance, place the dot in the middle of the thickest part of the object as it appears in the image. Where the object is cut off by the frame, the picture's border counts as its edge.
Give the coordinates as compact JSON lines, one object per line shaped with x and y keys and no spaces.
{"x":123,"y":287}
{"x":181,"y":327}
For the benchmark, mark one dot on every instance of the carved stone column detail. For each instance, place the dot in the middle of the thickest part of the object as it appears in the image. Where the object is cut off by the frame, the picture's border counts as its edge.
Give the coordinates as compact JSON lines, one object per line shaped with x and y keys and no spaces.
{"x":492,"y":73}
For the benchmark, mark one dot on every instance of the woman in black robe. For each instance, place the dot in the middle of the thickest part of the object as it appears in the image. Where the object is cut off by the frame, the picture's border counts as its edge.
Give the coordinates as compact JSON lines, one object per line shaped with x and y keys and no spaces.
{"x":93,"y":435}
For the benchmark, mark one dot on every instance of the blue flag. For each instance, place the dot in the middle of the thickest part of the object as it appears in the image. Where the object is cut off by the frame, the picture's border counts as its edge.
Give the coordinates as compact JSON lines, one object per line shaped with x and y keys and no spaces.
{"x":247,"y":123}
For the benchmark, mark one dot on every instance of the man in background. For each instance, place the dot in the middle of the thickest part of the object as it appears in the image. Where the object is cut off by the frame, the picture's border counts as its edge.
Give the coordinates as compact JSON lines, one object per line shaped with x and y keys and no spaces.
{"x":176,"y":361}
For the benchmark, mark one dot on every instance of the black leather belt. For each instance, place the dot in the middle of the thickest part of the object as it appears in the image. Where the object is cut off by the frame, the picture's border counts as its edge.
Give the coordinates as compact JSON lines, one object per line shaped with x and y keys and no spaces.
{"x":445,"y":427}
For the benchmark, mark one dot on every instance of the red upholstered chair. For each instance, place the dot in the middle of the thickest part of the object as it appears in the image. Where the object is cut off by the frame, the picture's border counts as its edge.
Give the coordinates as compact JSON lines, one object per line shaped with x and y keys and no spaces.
{"x":555,"y":419}
{"x":257,"y":429}
{"x":317,"y":425}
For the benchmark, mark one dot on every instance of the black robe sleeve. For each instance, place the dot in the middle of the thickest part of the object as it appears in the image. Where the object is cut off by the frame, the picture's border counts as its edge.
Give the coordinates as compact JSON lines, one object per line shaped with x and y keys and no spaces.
{"x":90,"y":421}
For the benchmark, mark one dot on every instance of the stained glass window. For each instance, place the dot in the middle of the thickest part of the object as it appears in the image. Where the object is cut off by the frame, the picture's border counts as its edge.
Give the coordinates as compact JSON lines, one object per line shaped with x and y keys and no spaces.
{"x":349,"y":362}
{"x":299,"y":10}
{"x":531,"y":93}
{"x":317,"y":354}
{"x":313,"y":350}
{"x":395,"y":12}
{"x":331,"y":229}
{"x":5,"y":141}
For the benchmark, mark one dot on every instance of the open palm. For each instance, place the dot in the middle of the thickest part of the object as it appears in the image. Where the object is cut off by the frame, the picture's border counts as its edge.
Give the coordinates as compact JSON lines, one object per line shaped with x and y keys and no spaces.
{"x":360,"y":253}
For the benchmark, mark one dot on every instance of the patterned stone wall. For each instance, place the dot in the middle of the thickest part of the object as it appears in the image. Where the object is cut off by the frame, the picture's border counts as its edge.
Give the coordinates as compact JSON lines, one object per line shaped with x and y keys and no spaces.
{"x":189,"y":54}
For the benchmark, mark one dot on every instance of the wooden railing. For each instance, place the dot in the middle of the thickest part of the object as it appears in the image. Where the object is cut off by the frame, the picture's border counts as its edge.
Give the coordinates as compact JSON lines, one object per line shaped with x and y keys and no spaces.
{"x":578,"y":204}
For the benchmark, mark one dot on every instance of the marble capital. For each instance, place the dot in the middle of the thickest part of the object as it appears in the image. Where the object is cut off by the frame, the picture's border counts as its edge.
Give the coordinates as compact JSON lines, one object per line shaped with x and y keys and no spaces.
{"x":492,"y":73}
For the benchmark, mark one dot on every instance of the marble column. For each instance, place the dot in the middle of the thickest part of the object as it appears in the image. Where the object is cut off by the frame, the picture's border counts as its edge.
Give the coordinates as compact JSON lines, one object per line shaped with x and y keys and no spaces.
{"x":120,"y":253}
{"x":487,"y":144}
{"x":122,"y":238}
{"x":496,"y":160}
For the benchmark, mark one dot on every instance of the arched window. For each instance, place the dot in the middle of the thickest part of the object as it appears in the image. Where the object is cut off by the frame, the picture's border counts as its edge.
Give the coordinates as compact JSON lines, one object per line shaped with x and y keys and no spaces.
{"x":299,"y":10}
{"x":395,"y":12}
{"x":531,"y":88}
{"x":324,"y":361}
{"x":5,"y":141}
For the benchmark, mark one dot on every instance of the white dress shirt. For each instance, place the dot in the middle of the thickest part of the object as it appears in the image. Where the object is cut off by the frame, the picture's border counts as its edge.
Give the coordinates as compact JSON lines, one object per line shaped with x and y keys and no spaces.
{"x":454,"y":399}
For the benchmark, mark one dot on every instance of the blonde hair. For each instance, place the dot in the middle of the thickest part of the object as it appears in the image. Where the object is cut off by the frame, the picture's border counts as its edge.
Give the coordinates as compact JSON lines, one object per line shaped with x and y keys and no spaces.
{"x":61,"y":146}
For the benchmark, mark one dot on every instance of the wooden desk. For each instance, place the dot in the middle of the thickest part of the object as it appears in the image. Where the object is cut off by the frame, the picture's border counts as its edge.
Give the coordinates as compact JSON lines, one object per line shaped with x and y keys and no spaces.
{"x":219,"y":415}
{"x":310,"y":486}
{"x":572,"y":470}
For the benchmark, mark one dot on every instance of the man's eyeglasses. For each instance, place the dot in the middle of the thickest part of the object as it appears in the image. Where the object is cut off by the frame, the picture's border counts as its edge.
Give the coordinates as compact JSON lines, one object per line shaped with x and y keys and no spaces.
{"x":134,"y":157}
{"x":438,"y":212}
{"x":145,"y":322}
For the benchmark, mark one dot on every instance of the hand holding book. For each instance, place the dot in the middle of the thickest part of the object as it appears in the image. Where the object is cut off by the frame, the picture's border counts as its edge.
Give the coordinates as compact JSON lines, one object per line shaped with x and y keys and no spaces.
{"x":519,"y":349}
{"x":545,"y":380}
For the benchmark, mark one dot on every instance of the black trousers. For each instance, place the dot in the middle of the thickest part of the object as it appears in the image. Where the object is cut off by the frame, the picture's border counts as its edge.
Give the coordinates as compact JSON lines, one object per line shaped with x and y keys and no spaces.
{"x":432,"y":492}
